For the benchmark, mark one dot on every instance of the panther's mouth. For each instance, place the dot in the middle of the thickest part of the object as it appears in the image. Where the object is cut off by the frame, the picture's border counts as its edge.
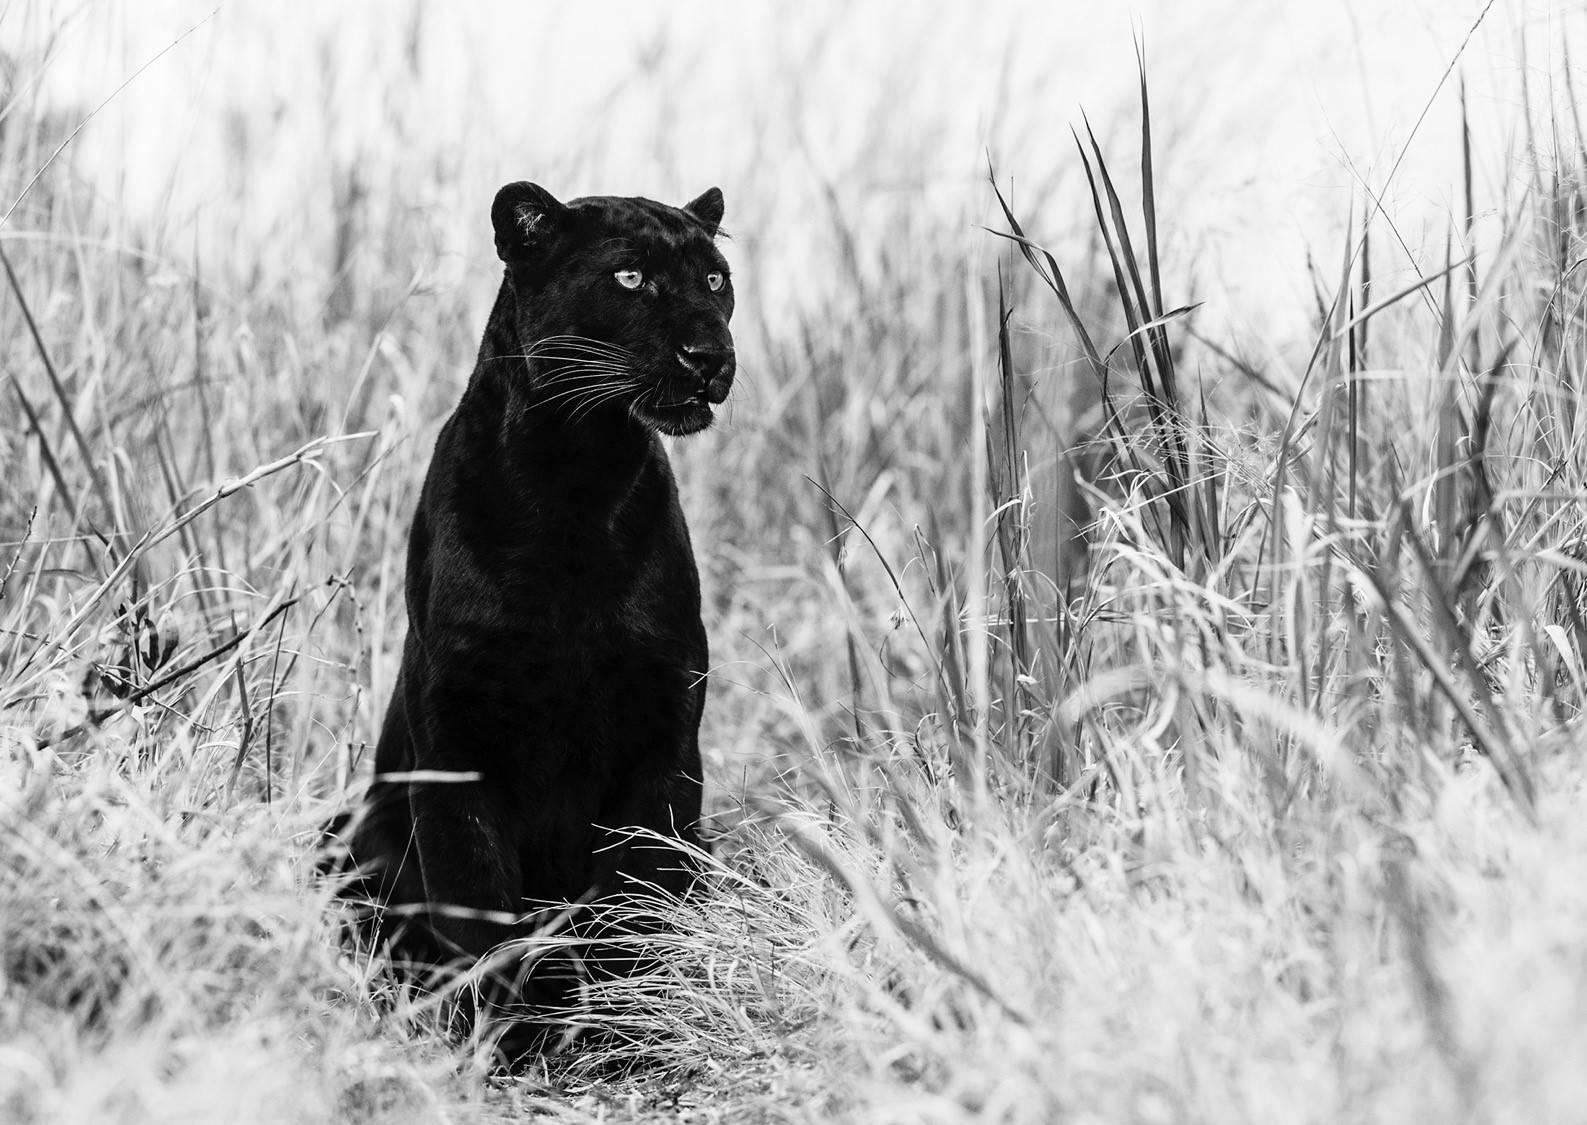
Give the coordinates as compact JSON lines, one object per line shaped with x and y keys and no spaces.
{"x":675,"y":419}
{"x":680,"y":400}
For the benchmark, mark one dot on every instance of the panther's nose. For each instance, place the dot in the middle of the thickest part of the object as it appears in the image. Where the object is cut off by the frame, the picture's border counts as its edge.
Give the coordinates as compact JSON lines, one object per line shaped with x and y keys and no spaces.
{"x":714,"y":365}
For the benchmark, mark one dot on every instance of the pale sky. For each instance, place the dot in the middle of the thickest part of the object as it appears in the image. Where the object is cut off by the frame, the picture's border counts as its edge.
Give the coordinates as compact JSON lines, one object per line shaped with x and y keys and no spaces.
{"x":1265,"y":113}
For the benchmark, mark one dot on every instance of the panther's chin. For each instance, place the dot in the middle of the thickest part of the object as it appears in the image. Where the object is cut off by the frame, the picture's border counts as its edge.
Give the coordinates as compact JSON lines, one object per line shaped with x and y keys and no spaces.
{"x":676,"y":421}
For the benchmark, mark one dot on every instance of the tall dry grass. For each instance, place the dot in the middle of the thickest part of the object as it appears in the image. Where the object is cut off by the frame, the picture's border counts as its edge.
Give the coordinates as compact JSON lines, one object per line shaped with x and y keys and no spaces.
{"x":1111,"y":727}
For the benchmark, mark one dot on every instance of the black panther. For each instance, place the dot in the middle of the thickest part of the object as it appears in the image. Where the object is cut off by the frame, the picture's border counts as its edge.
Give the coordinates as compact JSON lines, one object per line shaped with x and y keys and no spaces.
{"x":554,"y":669}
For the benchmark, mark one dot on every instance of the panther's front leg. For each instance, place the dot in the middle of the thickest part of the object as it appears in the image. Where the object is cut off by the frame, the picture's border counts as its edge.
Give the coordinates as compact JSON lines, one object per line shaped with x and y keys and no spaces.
{"x":472,"y":883}
{"x":473,"y":891}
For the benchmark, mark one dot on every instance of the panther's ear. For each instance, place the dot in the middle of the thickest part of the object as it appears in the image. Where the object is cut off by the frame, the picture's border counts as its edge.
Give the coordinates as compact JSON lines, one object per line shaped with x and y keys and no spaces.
{"x":708,"y":209}
{"x":526,"y":217}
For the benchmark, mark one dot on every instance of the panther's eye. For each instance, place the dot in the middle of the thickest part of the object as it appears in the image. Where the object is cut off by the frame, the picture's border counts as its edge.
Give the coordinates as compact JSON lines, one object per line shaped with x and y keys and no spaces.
{"x":629,"y":279}
{"x":714,"y":281}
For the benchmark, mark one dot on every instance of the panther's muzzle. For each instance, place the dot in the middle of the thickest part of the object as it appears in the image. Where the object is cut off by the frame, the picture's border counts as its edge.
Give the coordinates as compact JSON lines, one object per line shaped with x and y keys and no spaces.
{"x":712,"y":366}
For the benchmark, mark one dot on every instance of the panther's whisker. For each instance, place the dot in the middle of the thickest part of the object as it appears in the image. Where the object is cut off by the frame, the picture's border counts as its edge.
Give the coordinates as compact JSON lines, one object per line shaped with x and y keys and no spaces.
{"x":573,"y":336}
{"x":583,"y":371}
{"x":581,"y":343}
{"x":577,"y":358}
{"x":581,"y":399}
{"x":606,"y":374}
{"x":590,"y":404}
{"x":571,"y":349}
{"x":577,"y":336}
{"x":576,"y":398}
{"x":585,"y":374}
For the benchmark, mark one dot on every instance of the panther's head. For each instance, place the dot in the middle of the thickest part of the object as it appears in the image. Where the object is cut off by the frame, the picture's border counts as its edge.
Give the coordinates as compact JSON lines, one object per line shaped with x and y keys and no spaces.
{"x":620,"y":304}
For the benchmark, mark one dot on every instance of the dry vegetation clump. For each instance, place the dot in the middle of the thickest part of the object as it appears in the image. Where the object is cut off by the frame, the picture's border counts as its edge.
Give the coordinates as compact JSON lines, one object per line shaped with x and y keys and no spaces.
{"x":1110,"y":728}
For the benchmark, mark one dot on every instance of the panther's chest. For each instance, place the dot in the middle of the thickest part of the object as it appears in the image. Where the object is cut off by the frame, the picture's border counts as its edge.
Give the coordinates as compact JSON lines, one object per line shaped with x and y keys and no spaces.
{"x":581,"y":606}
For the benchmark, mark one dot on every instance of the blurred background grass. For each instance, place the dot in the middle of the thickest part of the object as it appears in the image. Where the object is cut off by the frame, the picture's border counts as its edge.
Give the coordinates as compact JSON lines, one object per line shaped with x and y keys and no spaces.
{"x":1262,"y":811}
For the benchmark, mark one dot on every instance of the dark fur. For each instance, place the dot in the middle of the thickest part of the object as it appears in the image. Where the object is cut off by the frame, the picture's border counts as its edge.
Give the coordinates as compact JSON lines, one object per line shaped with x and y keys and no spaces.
{"x":554,"y":640}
